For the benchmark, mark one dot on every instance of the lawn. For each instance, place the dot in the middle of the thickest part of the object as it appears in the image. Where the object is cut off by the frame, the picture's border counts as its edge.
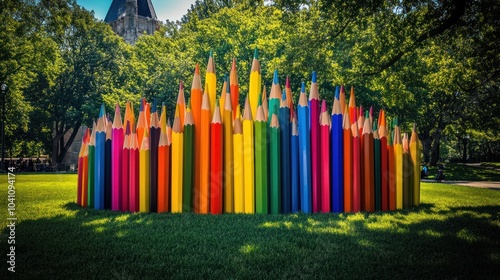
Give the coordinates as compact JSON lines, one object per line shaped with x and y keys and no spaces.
{"x":460,"y":172}
{"x":455,"y":233}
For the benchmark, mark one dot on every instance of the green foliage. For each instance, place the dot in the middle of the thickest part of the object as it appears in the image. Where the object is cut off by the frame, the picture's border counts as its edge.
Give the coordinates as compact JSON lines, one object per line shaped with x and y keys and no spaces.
{"x":453,"y":234}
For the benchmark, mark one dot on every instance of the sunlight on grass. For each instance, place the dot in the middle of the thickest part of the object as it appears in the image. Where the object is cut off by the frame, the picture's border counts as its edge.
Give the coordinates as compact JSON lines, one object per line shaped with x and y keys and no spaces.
{"x":97,"y":222}
{"x":431,"y":233}
{"x":248,"y":248}
{"x":467,"y":235}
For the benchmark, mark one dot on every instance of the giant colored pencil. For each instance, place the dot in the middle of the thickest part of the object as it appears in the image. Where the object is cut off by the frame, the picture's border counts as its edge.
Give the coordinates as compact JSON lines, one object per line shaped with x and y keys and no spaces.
{"x":274,"y":95}
{"x":196,"y":100}
{"x":337,"y":156}
{"x":248,"y":159}
{"x":348,"y":161}
{"x":285,"y":134}
{"x":294,"y":170}
{"x":304,"y":153}
{"x":116,"y":158}
{"x":211,"y":82}
{"x":216,"y":162}
{"x":107,"y":165}
{"x":384,"y":163}
{"x":352,"y":107}
{"x":144,"y":174}
{"x":314,"y":112}
{"x":407,"y":169}
{"x":177,"y":164}
{"x":261,"y":164}
{"x":91,"y":167}
{"x":324,"y":128}
{"x":377,"y":171}
{"x":398,"y":160}
{"x":133,"y":191}
{"x":100,"y":140}
{"x":123,"y":195}
{"x":288,"y":91}
{"x":368,"y":203}
{"x":154,"y":138}
{"x":205,"y":155}
{"x":228,"y":155}
{"x":141,"y":122}
{"x":80,"y":172}
{"x":188,"y":156}
{"x":356,"y":168}
{"x":342,"y":99}
{"x":234,"y":88}
{"x":255,"y":84}
{"x":391,"y":171}
{"x":163,"y":164}
{"x":274,"y":163}
{"x":415,"y":157}
{"x":238,"y":179}
{"x":85,"y":167}
{"x":147,"y":114}
{"x":264,"y":103}
{"x":181,"y":104}
{"x":222,"y":100}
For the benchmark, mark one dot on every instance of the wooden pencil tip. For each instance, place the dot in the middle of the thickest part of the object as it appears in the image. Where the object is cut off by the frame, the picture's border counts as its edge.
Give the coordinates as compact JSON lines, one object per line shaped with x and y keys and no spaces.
{"x":102,"y":112}
{"x":197,"y":69}
{"x":233,"y":66}
{"x":211,"y":53}
{"x":314,"y":77}
{"x":337,"y":92}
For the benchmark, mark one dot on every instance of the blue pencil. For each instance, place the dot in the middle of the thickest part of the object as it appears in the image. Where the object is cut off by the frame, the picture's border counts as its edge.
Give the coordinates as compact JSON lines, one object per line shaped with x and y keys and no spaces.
{"x":337,"y":156}
{"x":284,"y":121}
{"x":304,"y":152}
{"x":294,"y":159}
{"x":99,"y":171}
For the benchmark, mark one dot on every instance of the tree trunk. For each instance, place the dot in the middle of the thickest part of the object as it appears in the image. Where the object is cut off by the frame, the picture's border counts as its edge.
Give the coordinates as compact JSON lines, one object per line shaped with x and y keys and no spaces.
{"x":465,"y":141}
{"x":435,"y":147}
{"x":426,"y":145}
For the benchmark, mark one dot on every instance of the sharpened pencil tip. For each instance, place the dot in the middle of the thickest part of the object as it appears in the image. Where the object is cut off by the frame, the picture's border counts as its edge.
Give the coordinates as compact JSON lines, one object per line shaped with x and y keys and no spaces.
{"x":275,"y":77}
{"x":303,"y":87}
{"x":314,"y":78}
{"x":256,"y":53}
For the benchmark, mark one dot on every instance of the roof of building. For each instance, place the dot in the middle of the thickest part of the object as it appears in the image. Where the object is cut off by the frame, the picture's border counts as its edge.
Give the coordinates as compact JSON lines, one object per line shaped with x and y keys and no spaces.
{"x":118,"y":8}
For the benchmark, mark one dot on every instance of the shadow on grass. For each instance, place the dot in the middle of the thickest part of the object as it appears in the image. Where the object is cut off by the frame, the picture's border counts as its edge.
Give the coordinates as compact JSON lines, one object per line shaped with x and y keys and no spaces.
{"x":423,"y":242}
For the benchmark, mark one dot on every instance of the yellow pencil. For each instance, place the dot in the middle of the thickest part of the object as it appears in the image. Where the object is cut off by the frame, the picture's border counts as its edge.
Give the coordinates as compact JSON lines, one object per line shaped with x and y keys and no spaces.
{"x":228,"y":155}
{"x":398,"y":159}
{"x":144,"y":158}
{"x":255,"y":84}
{"x":248,"y":157}
{"x":415,"y":157}
{"x":239,"y":199}
{"x":177,"y":164}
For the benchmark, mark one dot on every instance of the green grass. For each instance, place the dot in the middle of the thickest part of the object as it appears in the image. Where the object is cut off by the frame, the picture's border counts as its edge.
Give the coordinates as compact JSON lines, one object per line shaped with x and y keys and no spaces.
{"x":453,"y":234}
{"x":460,"y":172}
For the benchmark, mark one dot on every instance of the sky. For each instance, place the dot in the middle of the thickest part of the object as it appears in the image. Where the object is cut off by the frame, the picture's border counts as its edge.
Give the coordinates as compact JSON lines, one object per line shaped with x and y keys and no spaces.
{"x":165,"y":9}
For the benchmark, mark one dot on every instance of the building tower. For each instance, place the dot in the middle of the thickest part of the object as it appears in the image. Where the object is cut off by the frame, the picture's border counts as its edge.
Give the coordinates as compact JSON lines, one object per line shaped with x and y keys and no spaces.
{"x":131,"y":18}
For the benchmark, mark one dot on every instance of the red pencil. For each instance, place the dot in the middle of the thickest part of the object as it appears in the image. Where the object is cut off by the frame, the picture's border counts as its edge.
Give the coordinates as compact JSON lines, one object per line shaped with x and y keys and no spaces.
{"x":216,"y":164}
{"x":348,"y":164}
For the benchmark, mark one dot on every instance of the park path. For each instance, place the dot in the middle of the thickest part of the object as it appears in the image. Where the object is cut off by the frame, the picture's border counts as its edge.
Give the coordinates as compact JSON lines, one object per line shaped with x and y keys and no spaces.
{"x":476,"y":184}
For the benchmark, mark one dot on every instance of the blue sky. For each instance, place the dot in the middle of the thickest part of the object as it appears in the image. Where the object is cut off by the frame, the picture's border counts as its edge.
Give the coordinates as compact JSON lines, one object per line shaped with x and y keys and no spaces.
{"x":165,"y":9}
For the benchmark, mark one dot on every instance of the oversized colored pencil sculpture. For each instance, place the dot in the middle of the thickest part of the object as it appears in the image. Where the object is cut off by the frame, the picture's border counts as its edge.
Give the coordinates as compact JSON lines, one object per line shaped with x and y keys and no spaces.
{"x":205,"y":155}
{"x":239,"y":197}
{"x":163,"y":164}
{"x":80,"y":172}
{"x":285,"y":134}
{"x":356,"y":168}
{"x":255,"y":84}
{"x":315,"y":144}
{"x":107,"y":165}
{"x":211,"y":82}
{"x":147,"y":114}
{"x":264,"y":103}
{"x":154,"y":139}
{"x":196,"y":100}
{"x":391,"y":171}
{"x":116,"y":158}
{"x":248,"y":159}
{"x":216,"y":162}
{"x":407,"y":169}
{"x":91,"y":160}
{"x":324,"y":127}
{"x":377,"y":171}
{"x":337,"y":156}
{"x":368,"y":161}
{"x":261,"y":164}
{"x":398,"y":160}
{"x":415,"y":157}
{"x":294,"y":171}
{"x":181,"y":104}
{"x":85,"y":169}
{"x":384,"y":163}
{"x":124,"y":189}
{"x":352,"y":107}
{"x":274,"y":163}
{"x":100,"y":139}
{"x":234,"y":88}
{"x":177,"y":163}
{"x":304,"y":152}
{"x":187,"y":181}
{"x":141,"y":122}
{"x":342,"y":99}
{"x":133,"y":192}
{"x":288,"y":91}
{"x":348,"y":161}
{"x":228,"y":154}
{"x":274,"y":95}
{"x":144,"y":174}
{"x":222,"y":100}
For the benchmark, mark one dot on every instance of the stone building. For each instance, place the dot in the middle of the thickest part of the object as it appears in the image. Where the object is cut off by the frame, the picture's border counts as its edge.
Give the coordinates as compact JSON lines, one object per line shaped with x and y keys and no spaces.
{"x":131,"y":18}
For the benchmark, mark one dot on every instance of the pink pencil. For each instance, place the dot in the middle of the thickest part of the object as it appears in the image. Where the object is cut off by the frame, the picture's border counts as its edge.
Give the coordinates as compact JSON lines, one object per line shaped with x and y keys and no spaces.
{"x":133,"y":205}
{"x":315,"y":144}
{"x":125,"y":171}
{"x":325,"y":158}
{"x":116,"y":159}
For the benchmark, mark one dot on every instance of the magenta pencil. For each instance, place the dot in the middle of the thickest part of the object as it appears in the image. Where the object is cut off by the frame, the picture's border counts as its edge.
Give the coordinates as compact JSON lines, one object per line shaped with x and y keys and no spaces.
{"x":125,"y":171}
{"x":116,"y":159}
{"x":133,"y":205}
{"x":315,"y":144}
{"x":325,"y":158}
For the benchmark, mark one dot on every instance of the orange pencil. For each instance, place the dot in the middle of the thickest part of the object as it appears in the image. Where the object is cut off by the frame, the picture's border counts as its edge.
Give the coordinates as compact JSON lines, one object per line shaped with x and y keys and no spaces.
{"x":347,"y":161}
{"x":196,"y":100}
{"x":205,"y":155}
{"x":163,"y":164}
{"x":181,"y":104}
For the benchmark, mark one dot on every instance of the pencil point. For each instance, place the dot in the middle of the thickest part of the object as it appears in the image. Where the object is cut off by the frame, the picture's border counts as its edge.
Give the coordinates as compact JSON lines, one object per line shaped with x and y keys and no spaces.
{"x":287,"y":84}
{"x":256,"y":53}
{"x":153,"y":108}
{"x":314,"y":78}
{"x":303,"y":87}
{"x":197,"y":69}
{"x":275,"y":77}
{"x":211,"y":53}
{"x":337,"y":92}
{"x":102,"y":112}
